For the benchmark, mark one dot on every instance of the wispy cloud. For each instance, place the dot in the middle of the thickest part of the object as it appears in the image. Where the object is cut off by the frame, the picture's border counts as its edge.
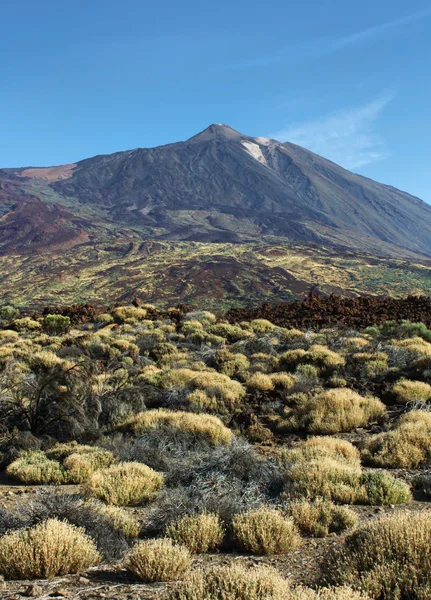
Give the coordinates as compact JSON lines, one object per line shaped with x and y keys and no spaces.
{"x":347,"y":137}
{"x":328,"y":45}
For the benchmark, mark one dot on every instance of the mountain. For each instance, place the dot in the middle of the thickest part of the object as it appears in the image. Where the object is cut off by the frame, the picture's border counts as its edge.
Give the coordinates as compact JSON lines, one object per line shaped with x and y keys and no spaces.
{"x":222,"y":206}
{"x":221,"y":185}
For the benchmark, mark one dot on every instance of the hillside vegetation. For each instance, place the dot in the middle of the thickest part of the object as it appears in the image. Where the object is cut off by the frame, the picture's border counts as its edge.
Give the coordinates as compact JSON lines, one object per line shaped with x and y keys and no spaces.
{"x":179,"y":441}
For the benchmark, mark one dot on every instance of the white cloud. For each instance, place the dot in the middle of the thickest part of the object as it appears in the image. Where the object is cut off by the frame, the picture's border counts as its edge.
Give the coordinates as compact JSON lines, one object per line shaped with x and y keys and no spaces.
{"x":347,"y":137}
{"x":328,"y":45}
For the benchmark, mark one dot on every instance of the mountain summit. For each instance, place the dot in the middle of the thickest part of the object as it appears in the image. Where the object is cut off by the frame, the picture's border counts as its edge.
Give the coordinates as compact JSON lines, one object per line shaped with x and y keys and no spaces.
{"x":221,"y":185}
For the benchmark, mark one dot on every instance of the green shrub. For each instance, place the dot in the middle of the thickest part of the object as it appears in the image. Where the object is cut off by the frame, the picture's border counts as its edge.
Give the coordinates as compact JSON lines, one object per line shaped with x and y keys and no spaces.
{"x":56,"y":324}
{"x":383,"y":489}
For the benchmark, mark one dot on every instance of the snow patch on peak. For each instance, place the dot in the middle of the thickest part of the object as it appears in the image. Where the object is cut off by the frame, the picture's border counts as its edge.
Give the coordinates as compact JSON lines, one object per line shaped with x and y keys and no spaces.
{"x":255,"y":151}
{"x":263,"y":140}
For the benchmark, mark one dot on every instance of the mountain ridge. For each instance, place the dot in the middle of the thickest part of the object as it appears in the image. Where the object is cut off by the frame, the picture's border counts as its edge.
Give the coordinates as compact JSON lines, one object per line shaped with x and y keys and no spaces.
{"x":218,"y":186}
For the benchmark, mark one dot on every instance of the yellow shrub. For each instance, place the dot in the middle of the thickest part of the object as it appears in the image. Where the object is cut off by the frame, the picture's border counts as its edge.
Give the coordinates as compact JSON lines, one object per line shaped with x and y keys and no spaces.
{"x":290,"y":335}
{"x":230,"y":363}
{"x":332,"y":593}
{"x":282,"y":380}
{"x":417,"y":345}
{"x":199,"y":533}
{"x":388,"y":557}
{"x":27,"y":324}
{"x":355,"y":343}
{"x":233,"y":333}
{"x":35,"y":468}
{"x":288,"y":360}
{"x":120,"y":519}
{"x":124,"y":484}
{"x":233,"y":583}
{"x":44,"y":360}
{"x":326,"y":478}
{"x":260,"y":382}
{"x":324,"y":447}
{"x":264,"y":531}
{"x":324,"y":357}
{"x":321,"y":517}
{"x":46,"y":550}
{"x":198,"y":400}
{"x":334,"y":411}
{"x":158,"y":560}
{"x":261,"y":326}
{"x":203,"y":316}
{"x":124,"y":313}
{"x":8,"y":335}
{"x":406,"y":446}
{"x":406,"y":391}
{"x":215,"y":385}
{"x":200,"y":425}
{"x":332,"y":471}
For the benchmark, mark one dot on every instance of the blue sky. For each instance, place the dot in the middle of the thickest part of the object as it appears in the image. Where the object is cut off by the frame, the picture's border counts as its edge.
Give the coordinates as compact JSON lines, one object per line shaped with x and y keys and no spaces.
{"x":350,"y":81}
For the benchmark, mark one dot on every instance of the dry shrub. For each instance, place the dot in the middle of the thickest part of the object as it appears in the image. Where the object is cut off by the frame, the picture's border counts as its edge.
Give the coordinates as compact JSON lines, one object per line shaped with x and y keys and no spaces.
{"x":230,"y":363}
{"x":225,"y":390}
{"x":199,"y":533}
{"x":332,"y":593}
{"x":321,"y":517}
{"x":46,"y":550}
{"x":370,"y":364}
{"x":232,"y":333}
{"x":125,"y":314}
{"x":264,"y":531}
{"x":207,"y":427}
{"x":406,"y":446}
{"x":232,"y":583}
{"x":64,"y":463}
{"x":125,"y":484}
{"x":290,"y":359}
{"x":35,"y":468}
{"x":388,"y":558}
{"x":260,"y":382}
{"x":282,"y":380}
{"x":158,"y":560}
{"x":85,"y":461}
{"x":416,"y":345}
{"x":120,"y":520}
{"x":326,"y":478}
{"x":330,"y":468}
{"x":334,"y":411}
{"x":324,"y":357}
{"x":203,"y":316}
{"x":406,"y":391}
{"x":261,"y":326}
{"x":324,"y":447}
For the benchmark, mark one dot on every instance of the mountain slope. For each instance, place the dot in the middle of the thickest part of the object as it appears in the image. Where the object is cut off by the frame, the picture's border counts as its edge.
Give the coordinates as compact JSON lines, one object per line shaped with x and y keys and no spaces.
{"x":221,"y":185}
{"x":220,"y":220}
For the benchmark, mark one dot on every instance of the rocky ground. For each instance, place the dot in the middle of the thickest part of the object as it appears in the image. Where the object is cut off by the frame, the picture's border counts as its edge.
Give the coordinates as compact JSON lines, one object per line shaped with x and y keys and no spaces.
{"x":110,"y":581}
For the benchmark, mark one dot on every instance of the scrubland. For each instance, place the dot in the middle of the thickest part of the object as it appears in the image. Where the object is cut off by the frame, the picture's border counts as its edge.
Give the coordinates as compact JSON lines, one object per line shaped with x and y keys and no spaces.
{"x":173,"y":449}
